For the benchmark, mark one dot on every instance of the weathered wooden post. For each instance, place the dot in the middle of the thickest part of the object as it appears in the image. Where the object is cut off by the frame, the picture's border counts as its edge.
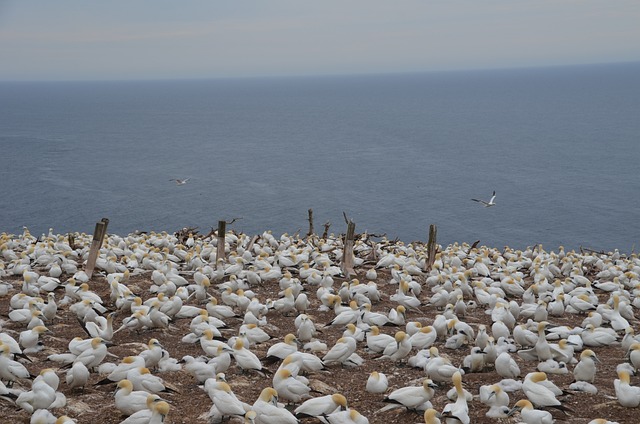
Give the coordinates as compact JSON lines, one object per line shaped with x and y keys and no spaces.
{"x":72,"y":241}
{"x":325,"y":233}
{"x":311,"y":231}
{"x":98,"y":237}
{"x":222,"y":229}
{"x":431,"y":247}
{"x":347,"y":254}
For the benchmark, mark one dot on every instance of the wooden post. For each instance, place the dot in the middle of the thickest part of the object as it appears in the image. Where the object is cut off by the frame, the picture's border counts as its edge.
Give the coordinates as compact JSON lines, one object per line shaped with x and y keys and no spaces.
{"x":431,"y":247}
{"x":252,"y":242}
{"x":373,"y":255}
{"x":311,"y":231}
{"x":72,"y":241}
{"x":347,"y":254}
{"x":325,"y":233}
{"x":222,"y":229}
{"x":98,"y":237}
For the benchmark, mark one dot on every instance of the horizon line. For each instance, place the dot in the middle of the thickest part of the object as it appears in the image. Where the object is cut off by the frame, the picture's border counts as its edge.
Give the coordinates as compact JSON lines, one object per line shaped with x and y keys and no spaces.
{"x":327,"y":75}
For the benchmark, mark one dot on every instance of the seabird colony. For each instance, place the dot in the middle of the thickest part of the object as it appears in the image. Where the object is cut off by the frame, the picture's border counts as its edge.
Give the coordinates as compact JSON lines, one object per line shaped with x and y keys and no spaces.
{"x":501,"y":313}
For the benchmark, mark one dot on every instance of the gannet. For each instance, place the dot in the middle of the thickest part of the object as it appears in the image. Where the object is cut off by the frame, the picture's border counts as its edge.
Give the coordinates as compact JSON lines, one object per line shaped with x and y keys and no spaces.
{"x":407,"y":300}
{"x":129,"y":401}
{"x":563,"y":351}
{"x":340,"y":352}
{"x":628,"y":395}
{"x":538,"y":392}
{"x":246,"y":359}
{"x":180,"y":181}
{"x":306,"y":329}
{"x":551,"y":366}
{"x":282,"y":349}
{"x":399,"y":349}
{"x":489,"y":203}
{"x":376,"y":341}
{"x":101,"y":327}
{"x":431,"y":416}
{"x":585,"y":370}
{"x":289,"y":387}
{"x":224,"y":399}
{"x":92,"y":356}
{"x":156,"y":413}
{"x":413,"y":397}
{"x":457,"y":412}
{"x":596,"y":337}
{"x":30,"y":339}
{"x":142,"y":379}
{"x":354,"y":332}
{"x":199,"y":368}
{"x":77,"y":375}
{"x":529,"y":415}
{"x":350,"y":416}
{"x":221,"y":312}
{"x":319,"y":406}
{"x":438,"y":368}
{"x":119,"y":372}
{"x":254,"y":334}
{"x":11,"y":370}
{"x":496,"y":398}
{"x":474,"y":361}
{"x":267,"y":410}
{"x":373,"y":318}
{"x":42,"y":416}
{"x":506,"y":366}
{"x":377,"y":382}
{"x":541,"y":350}
{"x":43,"y":393}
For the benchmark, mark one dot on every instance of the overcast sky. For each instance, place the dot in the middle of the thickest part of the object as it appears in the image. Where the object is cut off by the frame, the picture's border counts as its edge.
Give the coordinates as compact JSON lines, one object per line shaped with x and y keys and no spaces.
{"x":151,"y":39}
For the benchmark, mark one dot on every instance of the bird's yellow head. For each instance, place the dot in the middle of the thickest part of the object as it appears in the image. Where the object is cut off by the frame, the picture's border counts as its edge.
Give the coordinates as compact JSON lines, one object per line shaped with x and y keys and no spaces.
{"x":340,"y":400}
{"x":537,"y":377}
{"x":125,"y":384}
{"x":400,"y":336}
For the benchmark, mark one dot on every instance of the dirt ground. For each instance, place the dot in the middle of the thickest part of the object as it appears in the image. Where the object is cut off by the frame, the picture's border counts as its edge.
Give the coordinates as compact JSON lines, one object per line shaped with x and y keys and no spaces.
{"x":190,"y":404}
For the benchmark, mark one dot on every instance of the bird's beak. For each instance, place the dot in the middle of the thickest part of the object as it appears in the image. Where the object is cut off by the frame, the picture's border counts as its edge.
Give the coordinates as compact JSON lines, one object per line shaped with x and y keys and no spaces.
{"x":513,"y":411}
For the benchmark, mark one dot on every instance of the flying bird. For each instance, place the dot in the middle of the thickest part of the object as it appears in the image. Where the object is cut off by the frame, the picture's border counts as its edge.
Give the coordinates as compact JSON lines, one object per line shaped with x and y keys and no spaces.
{"x":489,"y":203}
{"x":179,"y":181}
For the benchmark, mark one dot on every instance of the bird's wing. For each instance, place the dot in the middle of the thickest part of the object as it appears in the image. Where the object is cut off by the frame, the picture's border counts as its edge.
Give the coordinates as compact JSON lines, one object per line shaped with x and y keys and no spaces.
{"x":480,"y":201}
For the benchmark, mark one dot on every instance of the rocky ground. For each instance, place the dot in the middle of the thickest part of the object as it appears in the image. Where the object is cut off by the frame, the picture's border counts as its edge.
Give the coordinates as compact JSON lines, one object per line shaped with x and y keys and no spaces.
{"x":190,"y":404}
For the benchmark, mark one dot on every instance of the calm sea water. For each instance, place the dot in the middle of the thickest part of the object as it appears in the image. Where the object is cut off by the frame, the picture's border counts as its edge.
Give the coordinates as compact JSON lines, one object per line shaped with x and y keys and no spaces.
{"x":560,"y":147}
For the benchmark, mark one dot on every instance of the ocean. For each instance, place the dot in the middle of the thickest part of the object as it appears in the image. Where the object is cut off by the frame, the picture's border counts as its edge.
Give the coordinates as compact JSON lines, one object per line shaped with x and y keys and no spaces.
{"x":396,"y":153}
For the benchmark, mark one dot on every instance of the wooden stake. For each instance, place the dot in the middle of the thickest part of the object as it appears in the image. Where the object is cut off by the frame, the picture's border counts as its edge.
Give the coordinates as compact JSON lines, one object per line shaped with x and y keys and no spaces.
{"x":311,"y":231}
{"x":222,"y":229}
{"x":72,"y":241}
{"x":431,"y":247}
{"x":325,"y":233}
{"x":98,"y":237}
{"x":347,"y":254}
{"x":252,"y":242}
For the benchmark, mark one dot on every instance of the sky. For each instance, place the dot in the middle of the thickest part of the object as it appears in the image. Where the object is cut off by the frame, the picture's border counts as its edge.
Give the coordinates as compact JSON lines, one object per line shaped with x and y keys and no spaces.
{"x":158,"y":39}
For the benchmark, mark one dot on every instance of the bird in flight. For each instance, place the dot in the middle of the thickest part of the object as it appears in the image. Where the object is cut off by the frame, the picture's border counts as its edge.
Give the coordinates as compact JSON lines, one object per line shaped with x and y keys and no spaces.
{"x":180,"y":182}
{"x":489,"y":203}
